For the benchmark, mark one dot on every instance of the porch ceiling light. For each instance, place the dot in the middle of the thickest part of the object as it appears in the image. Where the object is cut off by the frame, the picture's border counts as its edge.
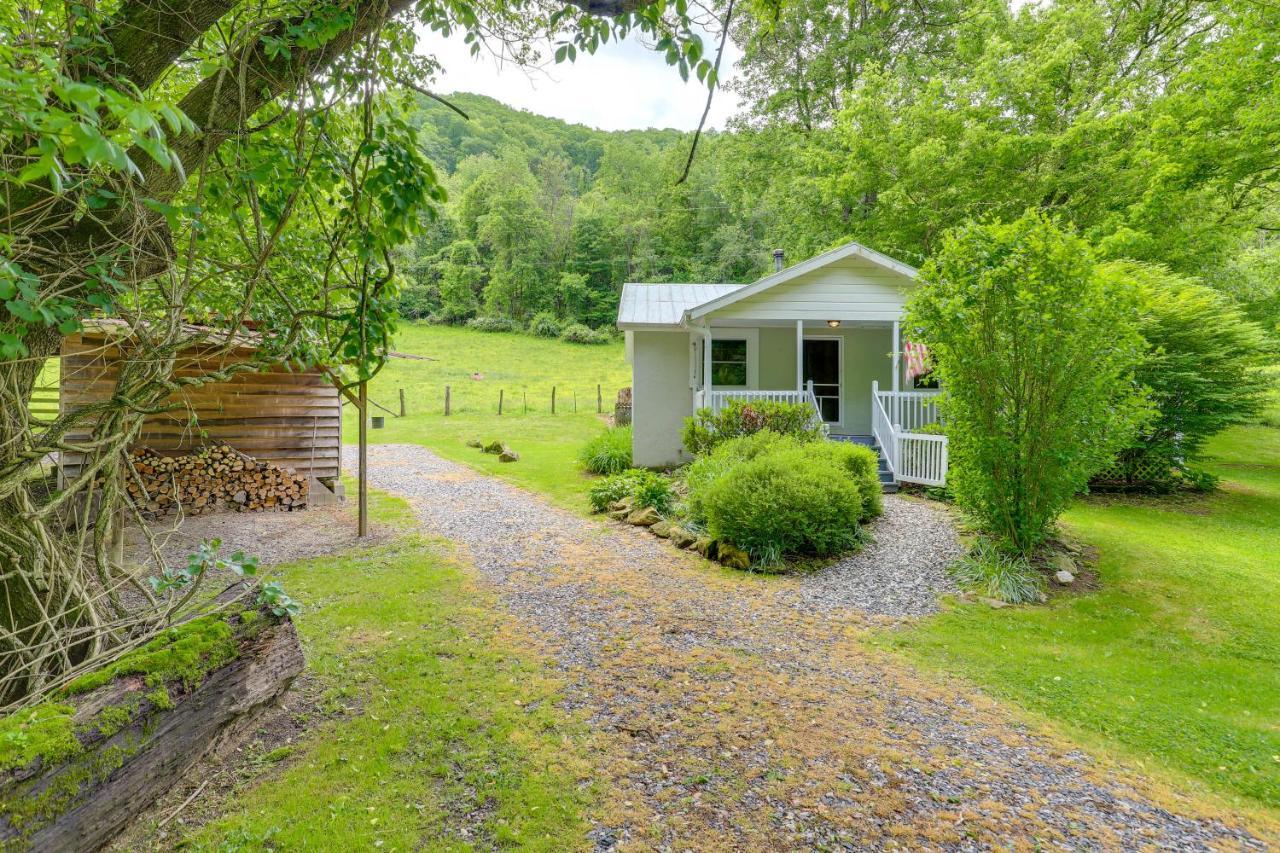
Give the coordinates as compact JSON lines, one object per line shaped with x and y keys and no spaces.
{"x":835,"y":324}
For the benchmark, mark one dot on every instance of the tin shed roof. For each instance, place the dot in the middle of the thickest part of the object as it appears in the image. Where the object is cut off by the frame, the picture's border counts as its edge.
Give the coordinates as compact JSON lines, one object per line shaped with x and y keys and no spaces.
{"x":657,"y":305}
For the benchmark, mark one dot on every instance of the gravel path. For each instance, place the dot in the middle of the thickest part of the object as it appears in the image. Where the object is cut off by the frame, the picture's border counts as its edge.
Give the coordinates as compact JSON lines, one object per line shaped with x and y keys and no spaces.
{"x":901,"y":573}
{"x":733,"y":711}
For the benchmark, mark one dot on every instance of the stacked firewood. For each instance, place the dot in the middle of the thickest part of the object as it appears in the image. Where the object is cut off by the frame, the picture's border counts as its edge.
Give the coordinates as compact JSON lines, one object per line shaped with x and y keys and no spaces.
{"x":210,"y":478}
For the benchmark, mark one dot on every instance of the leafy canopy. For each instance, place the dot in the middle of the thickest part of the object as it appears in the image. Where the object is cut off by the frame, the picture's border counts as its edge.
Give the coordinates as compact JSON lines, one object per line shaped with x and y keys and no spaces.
{"x":1206,"y":365}
{"x":1036,"y":351}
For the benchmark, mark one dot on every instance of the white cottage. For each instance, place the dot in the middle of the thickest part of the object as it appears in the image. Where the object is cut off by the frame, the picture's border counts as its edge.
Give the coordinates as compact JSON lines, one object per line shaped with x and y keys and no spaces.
{"x":823,"y":332}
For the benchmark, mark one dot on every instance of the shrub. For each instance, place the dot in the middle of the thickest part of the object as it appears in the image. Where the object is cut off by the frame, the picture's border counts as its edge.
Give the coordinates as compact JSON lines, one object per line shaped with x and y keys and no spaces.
{"x":653,"y":490}
{"x":997,"y":574}
{"x":613,"y":488}
{"x":644,"y":488}
{"x":576,"y":333}
{"x":861,"y":464}
{"x":706,"y":469}
{"x":418,"y":301}
{"x":1204,"y":369}
{"x":491,"y":324}
{"x":705,"y":430}
{"x":609,"y":452}
{"x":1036,"y":351}
{"x":784,"y":503}
{"x":544,"y":325}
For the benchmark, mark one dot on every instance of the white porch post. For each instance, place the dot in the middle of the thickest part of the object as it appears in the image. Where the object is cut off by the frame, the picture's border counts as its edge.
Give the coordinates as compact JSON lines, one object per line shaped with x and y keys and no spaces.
{"x":706,"y":365}
{"x":799,"y":355}
{"x":897,"y":374}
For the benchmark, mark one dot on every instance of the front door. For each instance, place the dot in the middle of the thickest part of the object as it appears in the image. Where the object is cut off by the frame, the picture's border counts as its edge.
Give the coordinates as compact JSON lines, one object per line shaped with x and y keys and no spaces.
{"x":822,"y":368}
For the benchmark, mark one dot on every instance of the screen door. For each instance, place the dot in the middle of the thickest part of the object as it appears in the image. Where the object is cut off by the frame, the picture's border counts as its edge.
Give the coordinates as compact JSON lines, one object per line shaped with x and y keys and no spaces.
{"x":822,"y":367}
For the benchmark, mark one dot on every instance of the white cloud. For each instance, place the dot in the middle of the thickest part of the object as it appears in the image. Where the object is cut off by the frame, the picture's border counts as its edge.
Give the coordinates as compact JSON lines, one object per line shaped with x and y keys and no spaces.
{"x":624,"y":85}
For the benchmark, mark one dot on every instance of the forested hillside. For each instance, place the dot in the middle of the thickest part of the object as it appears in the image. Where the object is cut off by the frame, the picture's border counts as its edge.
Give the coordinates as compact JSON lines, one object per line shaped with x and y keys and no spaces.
{"x":548,"y":216}
{"x":1151,"y":128}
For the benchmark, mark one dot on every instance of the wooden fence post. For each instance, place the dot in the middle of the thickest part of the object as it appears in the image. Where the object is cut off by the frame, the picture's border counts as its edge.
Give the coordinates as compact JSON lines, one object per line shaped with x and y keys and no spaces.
{"x":501,"y":392}
{"x":599,"y":400}
{"x":575,"y":401}
{"x":553,"y":399}
{"x":524,"y":397}
{"x":362,"y":483}
{"x":402,"y":402}
{"x":446,"y":401}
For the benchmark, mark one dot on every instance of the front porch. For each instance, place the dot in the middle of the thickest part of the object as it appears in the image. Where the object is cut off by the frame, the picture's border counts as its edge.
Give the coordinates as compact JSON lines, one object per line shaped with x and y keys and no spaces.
{"x":838,"y":370}
{"x":824,"y":332}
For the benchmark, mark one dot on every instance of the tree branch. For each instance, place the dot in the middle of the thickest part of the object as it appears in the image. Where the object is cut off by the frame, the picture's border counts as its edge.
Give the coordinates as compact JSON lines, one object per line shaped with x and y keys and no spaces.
{"x":711,"y":91}
{"x":145,"y":37}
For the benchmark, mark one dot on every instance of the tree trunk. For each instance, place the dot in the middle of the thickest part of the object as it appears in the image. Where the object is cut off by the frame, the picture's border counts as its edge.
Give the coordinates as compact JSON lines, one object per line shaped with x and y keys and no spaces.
{"x":81,"y":803}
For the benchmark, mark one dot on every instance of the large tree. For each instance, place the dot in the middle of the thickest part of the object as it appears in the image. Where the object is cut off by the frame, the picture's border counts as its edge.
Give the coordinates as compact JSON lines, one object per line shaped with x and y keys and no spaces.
{"x":1152,"y":126}
{"x":239,"y":163}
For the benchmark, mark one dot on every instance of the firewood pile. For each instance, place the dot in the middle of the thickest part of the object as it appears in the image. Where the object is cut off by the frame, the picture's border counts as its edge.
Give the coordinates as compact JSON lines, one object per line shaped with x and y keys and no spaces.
{"x":210,"y":478}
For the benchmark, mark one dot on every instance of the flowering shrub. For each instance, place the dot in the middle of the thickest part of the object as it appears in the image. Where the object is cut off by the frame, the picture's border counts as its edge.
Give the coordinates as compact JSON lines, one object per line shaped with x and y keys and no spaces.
{"x":705,"y":430}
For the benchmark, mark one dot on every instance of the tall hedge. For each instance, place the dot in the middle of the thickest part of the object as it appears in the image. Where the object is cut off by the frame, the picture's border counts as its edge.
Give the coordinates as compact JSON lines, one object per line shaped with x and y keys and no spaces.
{"x":1036,"y":350}
{"x":1205,"y":367}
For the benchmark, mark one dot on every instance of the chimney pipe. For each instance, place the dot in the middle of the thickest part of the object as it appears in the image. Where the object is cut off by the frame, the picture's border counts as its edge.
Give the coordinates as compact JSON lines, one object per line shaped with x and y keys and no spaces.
{"x":778,"y":255}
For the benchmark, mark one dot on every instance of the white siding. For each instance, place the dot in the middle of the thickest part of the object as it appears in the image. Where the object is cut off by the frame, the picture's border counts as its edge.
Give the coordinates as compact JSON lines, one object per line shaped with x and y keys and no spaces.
{"x":661,"y":397}
{"x":847,"y":290}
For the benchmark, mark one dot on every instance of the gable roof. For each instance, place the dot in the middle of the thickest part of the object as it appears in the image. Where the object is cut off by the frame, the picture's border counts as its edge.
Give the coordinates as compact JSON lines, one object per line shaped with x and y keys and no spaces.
{"x":664,"y":305}
{"x":848,"y":250}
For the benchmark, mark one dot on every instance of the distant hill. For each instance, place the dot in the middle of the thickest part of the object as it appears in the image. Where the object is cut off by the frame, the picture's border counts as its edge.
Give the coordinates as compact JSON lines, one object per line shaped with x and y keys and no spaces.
{"x":548,"y":217}
{"x":492,"y":127}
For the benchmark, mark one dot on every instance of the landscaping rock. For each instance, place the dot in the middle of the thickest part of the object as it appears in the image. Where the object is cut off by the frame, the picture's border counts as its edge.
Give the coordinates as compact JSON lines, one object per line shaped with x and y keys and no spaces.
{"x":662,"y":529}
{"x":733,"y":557}
{"x":994,"y":603}
{"x":681,"y":538}
{"x":706,"y":547}
{"x":623,"y":505}
{"x":619,"y":514}
{"x":475,"y":442}
{"x":1062,"y":564}
{"x":646,"y":516}
{"x":494,"y":447}
{"x":508,"y":455}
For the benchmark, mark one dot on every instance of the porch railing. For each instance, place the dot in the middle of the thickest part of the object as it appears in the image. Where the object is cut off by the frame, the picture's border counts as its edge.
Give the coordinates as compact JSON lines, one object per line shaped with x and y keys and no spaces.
{"x":910,"y":410}
{"x":913,"y":457}
{"x":717,"y":400}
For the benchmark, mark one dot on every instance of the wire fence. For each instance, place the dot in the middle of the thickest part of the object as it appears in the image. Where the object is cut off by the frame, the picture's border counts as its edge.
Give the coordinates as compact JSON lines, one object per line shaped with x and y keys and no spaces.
{"x":449,"y":400}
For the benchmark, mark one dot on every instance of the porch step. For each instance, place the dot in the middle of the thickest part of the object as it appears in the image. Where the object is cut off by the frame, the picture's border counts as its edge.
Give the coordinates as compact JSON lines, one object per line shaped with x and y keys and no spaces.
{"x":886,"y":478}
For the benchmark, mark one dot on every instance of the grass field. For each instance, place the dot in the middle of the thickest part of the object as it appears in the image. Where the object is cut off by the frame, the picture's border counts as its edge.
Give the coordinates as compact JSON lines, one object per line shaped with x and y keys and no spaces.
{"x":1176,"y":659}
{"x":526,"y":369}
{"x":456,"y":728}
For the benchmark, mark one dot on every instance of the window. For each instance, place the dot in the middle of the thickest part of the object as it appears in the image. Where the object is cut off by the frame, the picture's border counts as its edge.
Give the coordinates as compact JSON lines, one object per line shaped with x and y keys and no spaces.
{"x":729,"y":362}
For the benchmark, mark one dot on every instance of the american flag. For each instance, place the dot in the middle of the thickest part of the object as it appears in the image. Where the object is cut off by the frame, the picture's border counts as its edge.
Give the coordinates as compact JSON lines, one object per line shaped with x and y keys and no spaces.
{"x":919,"y":361}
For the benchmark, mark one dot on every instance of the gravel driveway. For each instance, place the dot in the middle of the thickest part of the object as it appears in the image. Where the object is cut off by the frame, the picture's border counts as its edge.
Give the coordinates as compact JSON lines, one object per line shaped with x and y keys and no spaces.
{"x":733,"y":711}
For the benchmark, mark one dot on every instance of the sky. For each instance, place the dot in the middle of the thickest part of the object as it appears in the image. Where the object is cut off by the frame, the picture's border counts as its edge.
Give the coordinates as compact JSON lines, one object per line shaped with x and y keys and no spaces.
{"x":622,"y":86}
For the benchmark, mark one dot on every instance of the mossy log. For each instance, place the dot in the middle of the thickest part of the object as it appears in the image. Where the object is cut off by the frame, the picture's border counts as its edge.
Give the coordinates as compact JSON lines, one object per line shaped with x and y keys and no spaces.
{"x":129,"y":740}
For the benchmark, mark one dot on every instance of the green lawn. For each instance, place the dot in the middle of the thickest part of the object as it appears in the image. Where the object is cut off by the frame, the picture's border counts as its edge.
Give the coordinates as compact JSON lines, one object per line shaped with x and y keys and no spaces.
{"x":1176,"y":659}
{"x":455,"y":727}
{"x":526,"y":368}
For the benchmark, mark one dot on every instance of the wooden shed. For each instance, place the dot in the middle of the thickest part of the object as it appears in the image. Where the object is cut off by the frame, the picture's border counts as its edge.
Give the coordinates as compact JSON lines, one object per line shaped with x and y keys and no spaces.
{"x":287,"y":415}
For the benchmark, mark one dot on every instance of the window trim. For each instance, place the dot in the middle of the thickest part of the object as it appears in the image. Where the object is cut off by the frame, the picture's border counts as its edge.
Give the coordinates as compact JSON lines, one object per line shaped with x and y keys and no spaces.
{"x":752,"y":337}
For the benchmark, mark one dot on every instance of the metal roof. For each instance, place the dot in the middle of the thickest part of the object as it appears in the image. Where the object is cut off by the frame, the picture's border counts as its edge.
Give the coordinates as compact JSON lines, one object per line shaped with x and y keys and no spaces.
{"x":664,"y":304}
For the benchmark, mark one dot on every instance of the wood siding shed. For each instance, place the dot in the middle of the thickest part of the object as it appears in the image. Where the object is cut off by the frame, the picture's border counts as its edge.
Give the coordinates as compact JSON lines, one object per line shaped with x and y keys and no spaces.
{"x":291,"y":417}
